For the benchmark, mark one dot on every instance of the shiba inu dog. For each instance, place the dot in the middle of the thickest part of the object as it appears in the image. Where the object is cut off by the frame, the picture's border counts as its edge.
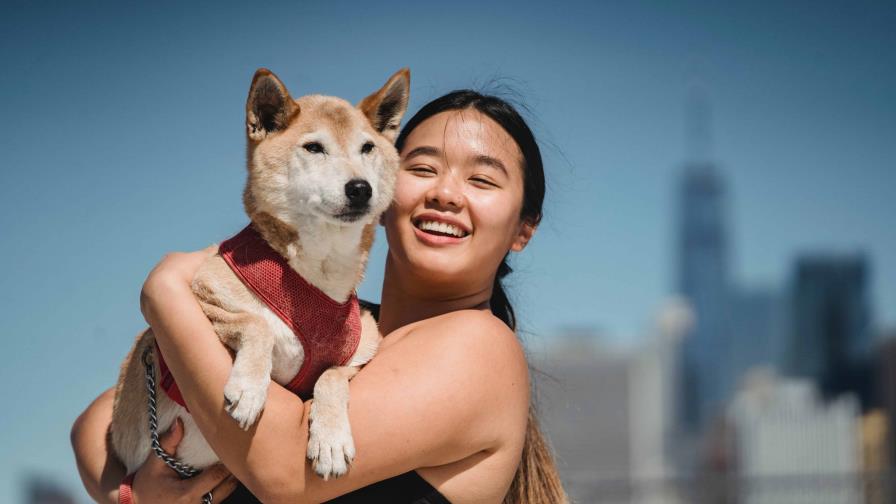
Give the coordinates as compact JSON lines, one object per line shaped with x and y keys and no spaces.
{"x":321,"y":172}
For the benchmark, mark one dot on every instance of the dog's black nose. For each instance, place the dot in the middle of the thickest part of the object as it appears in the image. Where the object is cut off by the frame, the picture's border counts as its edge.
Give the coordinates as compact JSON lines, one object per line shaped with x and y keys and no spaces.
{"x":358,"y":192}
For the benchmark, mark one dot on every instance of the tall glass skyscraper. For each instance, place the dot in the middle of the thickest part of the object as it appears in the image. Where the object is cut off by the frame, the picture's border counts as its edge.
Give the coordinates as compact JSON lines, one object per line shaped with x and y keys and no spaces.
{"x":735,"y":328}
{"x":831,"y":335}
{"x":702,"y":272}
{"x":703,"y":280}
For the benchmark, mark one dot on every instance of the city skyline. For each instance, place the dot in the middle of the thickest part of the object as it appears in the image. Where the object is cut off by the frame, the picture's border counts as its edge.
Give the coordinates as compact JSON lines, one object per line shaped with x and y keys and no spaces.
{"x":125,"y":141}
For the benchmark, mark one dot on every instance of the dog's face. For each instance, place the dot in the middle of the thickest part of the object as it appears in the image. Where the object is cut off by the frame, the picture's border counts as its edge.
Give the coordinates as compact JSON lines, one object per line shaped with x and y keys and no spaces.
{"x":319,"y":156}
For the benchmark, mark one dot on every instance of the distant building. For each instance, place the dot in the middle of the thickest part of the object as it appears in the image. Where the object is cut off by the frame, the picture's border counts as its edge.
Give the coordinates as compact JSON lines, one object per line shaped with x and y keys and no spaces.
{"x":831,"y":338}
{"x":736,"y":328}
{"x":757,"y":326}
{"x":876,"y":457}
{"x":610,"y":413}
{"x":791,"y":446}
{"x":702,"y":277}
{"x":703,"y":280}
{"x":654,"y":393}
{"x":886,"y":379}
{"x":583,"y":400}
{"x":40,"y":490}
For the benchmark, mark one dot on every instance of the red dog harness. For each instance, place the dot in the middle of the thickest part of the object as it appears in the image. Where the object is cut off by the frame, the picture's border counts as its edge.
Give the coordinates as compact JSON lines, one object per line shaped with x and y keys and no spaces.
{"x":328,"y":331}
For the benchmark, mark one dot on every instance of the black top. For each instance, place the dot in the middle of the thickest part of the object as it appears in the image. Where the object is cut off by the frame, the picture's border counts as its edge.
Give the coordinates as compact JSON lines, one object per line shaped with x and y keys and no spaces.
{"x":407,"y":488}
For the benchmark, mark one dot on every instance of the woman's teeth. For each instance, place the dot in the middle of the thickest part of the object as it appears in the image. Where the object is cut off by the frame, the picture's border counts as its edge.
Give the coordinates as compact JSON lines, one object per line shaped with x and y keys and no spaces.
{"x":441,"y":228}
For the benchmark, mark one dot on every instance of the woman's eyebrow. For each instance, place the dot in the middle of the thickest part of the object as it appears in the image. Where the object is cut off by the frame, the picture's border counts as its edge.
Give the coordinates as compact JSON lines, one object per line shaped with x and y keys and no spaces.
{"x":490,"y":161}
{"x":424,"y":150}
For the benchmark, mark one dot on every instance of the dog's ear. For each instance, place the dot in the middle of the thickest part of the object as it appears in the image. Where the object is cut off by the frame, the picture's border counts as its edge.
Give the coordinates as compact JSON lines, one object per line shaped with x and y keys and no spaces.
{"x":269,"y":107}
{"x":385,"y":107}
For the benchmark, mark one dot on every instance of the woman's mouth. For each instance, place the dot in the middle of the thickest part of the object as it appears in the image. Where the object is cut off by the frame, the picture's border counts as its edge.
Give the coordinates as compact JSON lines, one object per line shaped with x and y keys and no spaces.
{"x":438,"y":233}
{"x":440,"y":228}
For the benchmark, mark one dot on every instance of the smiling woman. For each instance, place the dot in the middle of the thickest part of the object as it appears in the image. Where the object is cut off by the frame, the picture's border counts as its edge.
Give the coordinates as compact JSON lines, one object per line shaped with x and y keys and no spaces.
{"x":465,"y":212}
{"x":472,"y":185}
{"x":442,"y":413}
{"x":489,"y":136}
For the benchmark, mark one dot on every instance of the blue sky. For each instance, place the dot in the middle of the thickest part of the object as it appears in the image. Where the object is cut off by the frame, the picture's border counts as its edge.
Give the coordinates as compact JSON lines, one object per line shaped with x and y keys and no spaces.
{"x":123,"y":139}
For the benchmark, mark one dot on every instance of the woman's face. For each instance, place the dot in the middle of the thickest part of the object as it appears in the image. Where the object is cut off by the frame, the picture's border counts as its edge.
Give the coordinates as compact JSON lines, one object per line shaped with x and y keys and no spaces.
{"x":456,"y":210}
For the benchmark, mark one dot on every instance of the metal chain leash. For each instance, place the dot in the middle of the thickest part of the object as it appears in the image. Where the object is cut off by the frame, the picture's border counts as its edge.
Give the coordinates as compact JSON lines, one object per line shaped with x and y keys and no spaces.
{"x":184,"y":470}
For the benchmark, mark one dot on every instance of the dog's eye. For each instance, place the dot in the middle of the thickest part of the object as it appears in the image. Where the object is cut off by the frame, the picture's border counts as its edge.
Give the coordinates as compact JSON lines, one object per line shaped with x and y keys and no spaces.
{"x":366,"y":148}
{"x":314,"y":147}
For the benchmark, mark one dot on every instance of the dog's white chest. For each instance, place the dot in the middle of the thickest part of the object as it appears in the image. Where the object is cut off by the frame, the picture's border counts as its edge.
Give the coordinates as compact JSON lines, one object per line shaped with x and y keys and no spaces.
{"x":288,"y":353}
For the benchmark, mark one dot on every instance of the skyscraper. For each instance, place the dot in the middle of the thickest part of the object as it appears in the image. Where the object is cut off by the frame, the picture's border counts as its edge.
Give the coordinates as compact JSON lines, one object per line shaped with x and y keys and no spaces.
{"x":702,"y":275}
{"x":830,"y":341}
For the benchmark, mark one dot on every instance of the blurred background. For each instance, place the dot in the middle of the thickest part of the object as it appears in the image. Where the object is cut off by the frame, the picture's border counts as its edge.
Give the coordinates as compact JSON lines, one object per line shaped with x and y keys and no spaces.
{"x":710,"y":300}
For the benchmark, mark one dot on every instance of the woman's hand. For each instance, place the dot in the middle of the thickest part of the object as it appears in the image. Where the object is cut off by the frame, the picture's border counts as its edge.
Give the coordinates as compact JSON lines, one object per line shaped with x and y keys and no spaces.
{"x":156,"y":482}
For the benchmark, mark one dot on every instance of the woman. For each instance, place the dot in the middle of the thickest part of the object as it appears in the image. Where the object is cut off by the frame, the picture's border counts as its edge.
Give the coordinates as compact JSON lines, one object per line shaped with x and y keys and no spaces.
{"x":442,"y":412}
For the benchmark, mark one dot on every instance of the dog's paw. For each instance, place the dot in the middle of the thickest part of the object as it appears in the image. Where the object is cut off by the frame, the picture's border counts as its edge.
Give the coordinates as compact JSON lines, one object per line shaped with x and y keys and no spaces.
{"x":244,"y":399}
{"x":330,"y":445}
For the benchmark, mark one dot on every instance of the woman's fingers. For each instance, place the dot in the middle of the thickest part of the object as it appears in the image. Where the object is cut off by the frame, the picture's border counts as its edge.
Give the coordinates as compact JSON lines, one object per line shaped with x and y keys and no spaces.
{"x":172,"y":438}
{"x":169,"y":441}
{"x":224,"y":488}
{"x":156,"y":482}
{"x":210,"y":480}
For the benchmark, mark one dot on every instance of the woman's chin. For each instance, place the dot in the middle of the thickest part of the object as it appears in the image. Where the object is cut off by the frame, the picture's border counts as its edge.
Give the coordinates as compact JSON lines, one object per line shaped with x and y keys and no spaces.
{"x":437,"y":268}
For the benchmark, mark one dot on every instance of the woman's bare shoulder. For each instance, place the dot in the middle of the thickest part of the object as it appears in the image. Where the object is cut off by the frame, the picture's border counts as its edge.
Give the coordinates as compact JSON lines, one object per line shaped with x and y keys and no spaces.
{"x":475,"y":335}
{"x":475,"y":348}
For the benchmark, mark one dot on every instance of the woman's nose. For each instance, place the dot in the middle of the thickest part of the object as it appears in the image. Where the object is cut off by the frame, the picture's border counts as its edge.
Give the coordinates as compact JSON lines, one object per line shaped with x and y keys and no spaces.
{"x":447,"y":191}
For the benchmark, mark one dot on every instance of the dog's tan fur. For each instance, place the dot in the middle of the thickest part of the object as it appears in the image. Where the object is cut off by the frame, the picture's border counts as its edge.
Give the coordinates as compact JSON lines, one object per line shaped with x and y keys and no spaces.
{"x":332,"y":258}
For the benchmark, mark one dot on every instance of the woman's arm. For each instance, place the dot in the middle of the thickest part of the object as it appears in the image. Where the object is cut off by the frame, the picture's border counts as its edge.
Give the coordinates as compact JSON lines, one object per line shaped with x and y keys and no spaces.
{"x":428,"y":400}
{"x":100,"y":471}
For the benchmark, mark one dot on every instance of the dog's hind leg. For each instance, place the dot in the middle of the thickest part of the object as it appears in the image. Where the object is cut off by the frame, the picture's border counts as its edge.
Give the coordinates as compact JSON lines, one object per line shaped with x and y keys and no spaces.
{"x":249,"y":336}
{"x":129,"y":431}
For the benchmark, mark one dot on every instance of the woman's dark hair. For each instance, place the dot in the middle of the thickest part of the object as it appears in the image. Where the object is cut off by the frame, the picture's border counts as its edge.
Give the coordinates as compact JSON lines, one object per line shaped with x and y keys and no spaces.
{"x":510,"y":120}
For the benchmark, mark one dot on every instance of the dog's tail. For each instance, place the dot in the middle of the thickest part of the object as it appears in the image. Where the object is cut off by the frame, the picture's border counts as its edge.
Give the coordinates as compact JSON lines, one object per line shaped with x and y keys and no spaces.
{"x":536,"y":479}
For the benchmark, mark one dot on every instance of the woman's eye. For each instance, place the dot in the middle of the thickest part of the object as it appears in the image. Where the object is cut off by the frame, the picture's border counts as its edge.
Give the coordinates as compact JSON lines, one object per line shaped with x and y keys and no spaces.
{"x":485,"y":182}
{"x":366,"y":148}
{"x":422,"y":170}
{"x":314,"y":147}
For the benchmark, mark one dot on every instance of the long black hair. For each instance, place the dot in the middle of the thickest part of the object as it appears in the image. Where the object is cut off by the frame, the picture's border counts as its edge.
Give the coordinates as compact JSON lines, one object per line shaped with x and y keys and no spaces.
{"x":512,"y":122}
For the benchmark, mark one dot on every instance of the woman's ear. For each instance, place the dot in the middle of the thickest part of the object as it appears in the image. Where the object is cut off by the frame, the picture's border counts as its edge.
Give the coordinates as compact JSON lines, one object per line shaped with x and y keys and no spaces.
{"x":525,"y":233}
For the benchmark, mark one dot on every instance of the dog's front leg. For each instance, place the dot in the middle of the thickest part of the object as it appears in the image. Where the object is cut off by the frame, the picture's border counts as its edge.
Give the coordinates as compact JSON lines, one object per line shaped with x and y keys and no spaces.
{"x":248,"y":335}
{"x":330,"y":444}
